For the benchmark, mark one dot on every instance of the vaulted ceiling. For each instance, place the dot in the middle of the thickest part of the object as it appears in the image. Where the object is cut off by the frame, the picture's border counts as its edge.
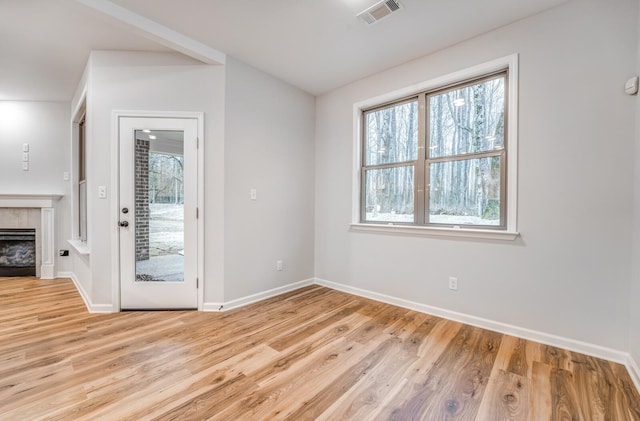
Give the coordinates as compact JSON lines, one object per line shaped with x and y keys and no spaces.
{"x":315,"y":45}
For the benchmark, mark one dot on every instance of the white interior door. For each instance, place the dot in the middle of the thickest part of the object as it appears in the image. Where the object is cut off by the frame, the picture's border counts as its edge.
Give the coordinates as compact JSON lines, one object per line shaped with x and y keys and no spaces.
{"x":158,"y":204}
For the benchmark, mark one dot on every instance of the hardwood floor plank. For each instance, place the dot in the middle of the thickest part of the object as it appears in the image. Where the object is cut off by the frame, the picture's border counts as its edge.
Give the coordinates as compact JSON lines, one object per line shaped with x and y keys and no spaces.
{"x":507,"y":397}
{"x":298,"y":334}
{"x":312,"y":353}
{"x":541,"y":394}
{"x":456,"y":383}
{"x":364,"y":400}
{"x":317,"y":404}
{"x":564,"y":397}
{"x":519,"y":363}
{"x":626,"y":398}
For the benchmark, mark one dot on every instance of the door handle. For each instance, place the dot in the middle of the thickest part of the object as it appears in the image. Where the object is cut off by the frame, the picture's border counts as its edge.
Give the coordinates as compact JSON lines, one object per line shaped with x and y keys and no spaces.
{"x":124,"y":224}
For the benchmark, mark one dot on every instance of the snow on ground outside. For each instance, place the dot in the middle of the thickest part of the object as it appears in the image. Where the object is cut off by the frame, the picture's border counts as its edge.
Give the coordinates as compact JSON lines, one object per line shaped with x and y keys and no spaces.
{"x":434,"y":219}
{"x":166,"y":229}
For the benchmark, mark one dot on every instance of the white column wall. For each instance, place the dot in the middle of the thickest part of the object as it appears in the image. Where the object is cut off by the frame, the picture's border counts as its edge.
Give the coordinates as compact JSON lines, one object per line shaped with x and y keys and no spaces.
{"x":269,"y":147}
{"x":150,"y":82}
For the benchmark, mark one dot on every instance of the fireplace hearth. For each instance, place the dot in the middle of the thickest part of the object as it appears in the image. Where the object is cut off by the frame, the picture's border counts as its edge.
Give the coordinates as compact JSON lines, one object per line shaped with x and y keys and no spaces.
{"x":17,"y":252}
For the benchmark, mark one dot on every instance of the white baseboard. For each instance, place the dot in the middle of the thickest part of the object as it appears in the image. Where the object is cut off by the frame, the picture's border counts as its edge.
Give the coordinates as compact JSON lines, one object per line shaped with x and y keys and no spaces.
{"x":250,"y":299}
{"x":211,"y":306}
{"x":92,"y":308}
{"x":524,"y":333}
{"x":634,"y":371}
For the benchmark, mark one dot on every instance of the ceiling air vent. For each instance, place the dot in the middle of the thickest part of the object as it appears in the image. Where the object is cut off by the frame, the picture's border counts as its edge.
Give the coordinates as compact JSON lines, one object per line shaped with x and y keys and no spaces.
{"x":379,"y":11}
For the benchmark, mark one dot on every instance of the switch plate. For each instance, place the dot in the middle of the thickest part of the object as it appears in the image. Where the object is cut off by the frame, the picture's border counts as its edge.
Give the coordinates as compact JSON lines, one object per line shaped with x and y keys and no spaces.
{"x":25,"y":147}
{"x":25,"y":156}
{"x":102,"y":192}
{"x":253,"y":194}
{"x":65,"y":176}
{"x":453,"y":283}
{"x":279,"y":265}
{"x":25,"y":166}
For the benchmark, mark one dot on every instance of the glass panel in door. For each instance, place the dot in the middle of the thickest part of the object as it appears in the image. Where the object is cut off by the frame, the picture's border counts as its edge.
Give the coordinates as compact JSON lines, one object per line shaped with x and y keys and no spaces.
{"x":159,"y":205}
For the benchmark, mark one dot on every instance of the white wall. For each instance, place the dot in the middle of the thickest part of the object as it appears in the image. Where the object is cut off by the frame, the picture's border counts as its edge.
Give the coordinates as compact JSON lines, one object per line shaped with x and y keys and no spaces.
{"x":269,"y":146}
{"x":258,"y":134}
{"x":45,"y":127}
{"x":152,"y":82}
{"x":634,"y":296}
{"x":568,"y":274}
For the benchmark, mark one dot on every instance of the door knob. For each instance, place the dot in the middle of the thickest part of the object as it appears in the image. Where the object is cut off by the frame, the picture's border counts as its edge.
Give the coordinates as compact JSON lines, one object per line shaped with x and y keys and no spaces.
{"x":124,"y":224}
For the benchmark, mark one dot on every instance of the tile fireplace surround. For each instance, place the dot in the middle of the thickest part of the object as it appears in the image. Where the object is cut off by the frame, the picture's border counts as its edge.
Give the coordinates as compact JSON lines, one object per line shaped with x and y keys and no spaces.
{"x":17,"y":210}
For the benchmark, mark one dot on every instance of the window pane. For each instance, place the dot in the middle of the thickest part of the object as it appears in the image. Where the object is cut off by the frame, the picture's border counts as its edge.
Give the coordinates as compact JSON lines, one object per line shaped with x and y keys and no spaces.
{"x":392,"y":134}
{"x":465,"y":192}
{"x":467,"y":120}
{"x":159,"y":206}
{"x":389,"y":194}
{"x":82,"y":210}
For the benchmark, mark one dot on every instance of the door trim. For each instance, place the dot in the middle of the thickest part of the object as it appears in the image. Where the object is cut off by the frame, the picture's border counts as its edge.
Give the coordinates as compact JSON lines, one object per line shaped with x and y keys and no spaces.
{"x":116,"y":115}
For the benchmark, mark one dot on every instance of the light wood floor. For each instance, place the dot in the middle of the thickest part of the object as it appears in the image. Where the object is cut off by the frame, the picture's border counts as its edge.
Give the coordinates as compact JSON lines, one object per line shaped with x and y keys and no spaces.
{"x":311,"y":354}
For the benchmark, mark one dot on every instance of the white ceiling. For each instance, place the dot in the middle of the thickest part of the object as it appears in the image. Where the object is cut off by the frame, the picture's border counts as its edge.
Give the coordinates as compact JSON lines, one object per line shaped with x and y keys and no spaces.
{"x":317,"y":45}
{"x":45,"y":44}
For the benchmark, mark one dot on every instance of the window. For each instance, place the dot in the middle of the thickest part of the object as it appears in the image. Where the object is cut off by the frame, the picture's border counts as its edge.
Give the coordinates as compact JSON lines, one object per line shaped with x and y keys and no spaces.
{"x":82,"y":181}
{"x":439,"y":159}
{"x":391,"y":154}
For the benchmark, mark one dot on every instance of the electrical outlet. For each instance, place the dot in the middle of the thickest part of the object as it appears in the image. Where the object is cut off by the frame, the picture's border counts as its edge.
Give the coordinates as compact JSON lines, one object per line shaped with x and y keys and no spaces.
{"x":64,"y":252}
{"x":453,"y":283}
{"x":279,"y":265}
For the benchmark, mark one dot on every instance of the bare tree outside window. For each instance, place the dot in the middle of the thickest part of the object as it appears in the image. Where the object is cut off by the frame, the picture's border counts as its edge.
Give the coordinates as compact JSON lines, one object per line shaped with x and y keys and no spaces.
{"x":454,"y":174}
{"x":166,"y":175}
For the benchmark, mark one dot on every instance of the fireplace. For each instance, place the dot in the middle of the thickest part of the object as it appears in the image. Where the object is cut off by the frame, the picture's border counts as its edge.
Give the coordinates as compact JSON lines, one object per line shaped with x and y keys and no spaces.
{"x":17,"y":252}
{"x":29,"y":211}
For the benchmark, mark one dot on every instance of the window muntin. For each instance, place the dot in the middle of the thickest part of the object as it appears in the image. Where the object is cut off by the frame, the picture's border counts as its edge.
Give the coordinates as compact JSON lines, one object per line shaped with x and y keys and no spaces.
{"x":459,"y":178}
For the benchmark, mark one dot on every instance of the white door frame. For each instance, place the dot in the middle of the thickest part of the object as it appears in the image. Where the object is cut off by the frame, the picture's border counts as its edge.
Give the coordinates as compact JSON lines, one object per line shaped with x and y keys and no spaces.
{"x":116,"y":115}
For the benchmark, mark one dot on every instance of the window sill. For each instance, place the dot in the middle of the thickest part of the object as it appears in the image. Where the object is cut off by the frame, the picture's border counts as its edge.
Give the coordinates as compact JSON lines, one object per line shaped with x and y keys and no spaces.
{"x":436,"y":232}
{"x":79,"y":246}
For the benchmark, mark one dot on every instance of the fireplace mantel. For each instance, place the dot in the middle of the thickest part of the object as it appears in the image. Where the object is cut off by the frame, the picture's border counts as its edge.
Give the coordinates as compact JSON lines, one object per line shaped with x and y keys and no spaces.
{"x":28,"y":200}
{"x":45,"y":203}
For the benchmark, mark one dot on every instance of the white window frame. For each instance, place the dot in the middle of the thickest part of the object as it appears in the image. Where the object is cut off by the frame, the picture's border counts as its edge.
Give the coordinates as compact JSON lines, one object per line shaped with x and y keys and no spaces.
{"x":76,"y":241}
{"x":511,"y":142}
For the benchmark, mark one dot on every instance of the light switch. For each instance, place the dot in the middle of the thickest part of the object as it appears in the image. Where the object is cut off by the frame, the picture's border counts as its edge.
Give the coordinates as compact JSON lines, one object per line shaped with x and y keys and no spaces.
{"x":253,"y":194}
{"x":65,"y":176}
{"x":102,"y":192}
{"x":25,"y":156}
{"x":25,"y":166}
{"x":25,"y":147}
